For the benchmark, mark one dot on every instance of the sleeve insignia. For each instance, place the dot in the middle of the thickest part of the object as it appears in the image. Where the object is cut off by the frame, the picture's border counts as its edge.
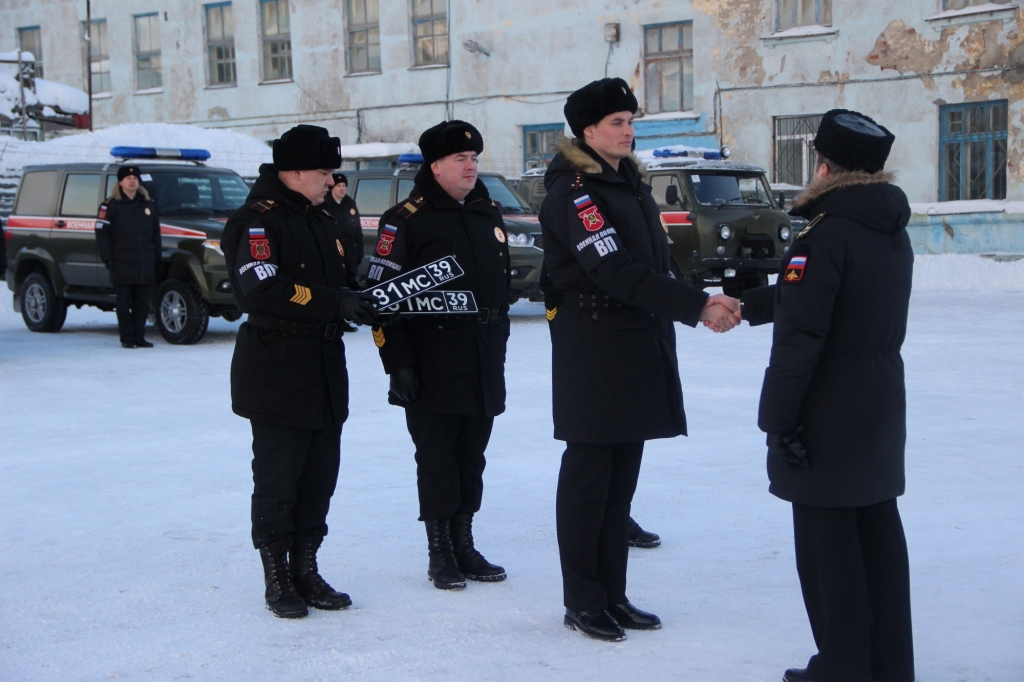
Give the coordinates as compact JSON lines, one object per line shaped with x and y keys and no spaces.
{"x":811,"y":225}
{"x":387,"y":238}
{"x":411,"y":206}
{"x":259,"y":245}
{"x":795,"y":270}
{"x":550,"y":314}
{"x":103,"y":212}
{"x":378,"y":337}
{"x":592,"y":219}
{"x":302,"y":295}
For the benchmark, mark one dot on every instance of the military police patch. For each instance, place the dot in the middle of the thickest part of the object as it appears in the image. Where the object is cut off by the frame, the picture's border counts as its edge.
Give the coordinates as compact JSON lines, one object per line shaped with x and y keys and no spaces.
{"x":259,"y":245}
{"x":387,"y":238}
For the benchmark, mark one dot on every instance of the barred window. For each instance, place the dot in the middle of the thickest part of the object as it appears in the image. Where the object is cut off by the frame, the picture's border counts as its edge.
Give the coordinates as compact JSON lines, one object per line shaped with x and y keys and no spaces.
{"x":220,"y":43}
{"x":430,"y":31}
{"x":668,"y":59}
{"x":30,"y":40}
{"x":540,"y":144}
{"x":147,"y":52}
{"x":277,"y":40}
{"x":973,"y":141}
{"x":794,"y":149}
{"x":363,"y":36}
{"x":99,"y":56}
{"x":793,"y":13}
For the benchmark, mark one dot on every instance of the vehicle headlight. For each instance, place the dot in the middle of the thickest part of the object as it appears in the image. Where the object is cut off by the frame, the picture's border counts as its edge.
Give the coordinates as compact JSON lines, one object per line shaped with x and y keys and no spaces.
{"x":725,"y":232}
{"x":785,"y":233}
{"x":213,"y":244}
{"x":520,"y":239}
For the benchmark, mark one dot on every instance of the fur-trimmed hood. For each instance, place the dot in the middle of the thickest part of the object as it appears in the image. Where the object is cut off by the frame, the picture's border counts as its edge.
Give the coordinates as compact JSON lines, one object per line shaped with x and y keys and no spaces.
{"x":141,"y":195}
{"x":867,"y":198}
{"x":574,"y":157}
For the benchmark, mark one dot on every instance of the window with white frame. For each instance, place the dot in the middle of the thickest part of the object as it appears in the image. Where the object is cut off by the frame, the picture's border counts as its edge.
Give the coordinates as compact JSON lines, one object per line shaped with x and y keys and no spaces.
{"x":430,"y":31}
{"x":220,"y":43}
{"x":964,"y":4}
{"x":30,"y":40}
{"x":99,"y":57}
{"x":668,"y":62}
{"x":148,"y":74}
{"x":540,"y":142}
{"x":275,"y":24}
{"x":363,"y":36}
{"x":793,"y":13}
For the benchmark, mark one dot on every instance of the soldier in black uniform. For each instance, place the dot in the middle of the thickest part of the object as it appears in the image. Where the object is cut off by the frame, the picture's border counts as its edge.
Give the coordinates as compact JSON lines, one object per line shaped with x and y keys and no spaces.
{"x":128,"y":241}
{"x":833,"y":404}
{"x":343,"y":207}
{"x":288,"y":271}
{"x":448,"y":372}
{"x":615,"y":380}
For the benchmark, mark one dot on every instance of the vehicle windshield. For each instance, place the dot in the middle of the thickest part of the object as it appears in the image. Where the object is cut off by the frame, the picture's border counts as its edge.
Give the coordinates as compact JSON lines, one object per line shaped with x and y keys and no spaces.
{"x":510,"y":201}
{"x":195,"y":192}
{"x":721,"y":190}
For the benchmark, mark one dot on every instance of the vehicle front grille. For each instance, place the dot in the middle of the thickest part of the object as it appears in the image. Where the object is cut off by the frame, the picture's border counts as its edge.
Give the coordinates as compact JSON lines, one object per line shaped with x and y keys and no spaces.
{"x":756,"y":248}
{"x":538,"y":240}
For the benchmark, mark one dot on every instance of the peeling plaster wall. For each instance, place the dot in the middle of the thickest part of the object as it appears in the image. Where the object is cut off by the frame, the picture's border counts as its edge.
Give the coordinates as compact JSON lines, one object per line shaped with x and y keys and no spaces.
{"x":886,"y":59}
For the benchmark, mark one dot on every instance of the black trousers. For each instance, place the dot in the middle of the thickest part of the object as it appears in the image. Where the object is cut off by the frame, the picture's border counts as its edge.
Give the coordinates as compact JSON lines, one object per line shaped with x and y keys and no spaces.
{"x":294,"y":472}
{"x":855,"y":578}
{"x":595,"y":489}
{"x":449,"y":462}
{"x":132,"y":306}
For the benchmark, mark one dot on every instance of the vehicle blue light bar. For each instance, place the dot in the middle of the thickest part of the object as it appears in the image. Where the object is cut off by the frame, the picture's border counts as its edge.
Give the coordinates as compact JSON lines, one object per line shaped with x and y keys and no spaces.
{"x":713,"y":155}
{"x":410,"y":158}
{"x":669,"y":153}
{"x":160,"y":153}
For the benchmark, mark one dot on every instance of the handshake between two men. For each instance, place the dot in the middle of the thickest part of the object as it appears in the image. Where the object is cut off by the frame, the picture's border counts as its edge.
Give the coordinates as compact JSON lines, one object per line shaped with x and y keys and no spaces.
{"x":721,"y":313}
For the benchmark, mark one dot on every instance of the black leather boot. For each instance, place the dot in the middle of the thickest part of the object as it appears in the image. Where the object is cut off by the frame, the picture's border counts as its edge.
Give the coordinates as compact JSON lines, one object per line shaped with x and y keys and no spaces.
{"x":471,"y":562}
{"x":310,"y":585}
{"x":638,"y":537}
{"x":632,"y":618}
{"x":594,"y":624}
{"x":443,"y":570}
{"x":282,"y":598}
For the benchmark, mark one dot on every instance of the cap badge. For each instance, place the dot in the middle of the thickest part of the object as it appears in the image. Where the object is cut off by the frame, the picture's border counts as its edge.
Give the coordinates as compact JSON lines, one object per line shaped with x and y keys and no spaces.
{"x":469,"y":135}
{"x":624,"y":91}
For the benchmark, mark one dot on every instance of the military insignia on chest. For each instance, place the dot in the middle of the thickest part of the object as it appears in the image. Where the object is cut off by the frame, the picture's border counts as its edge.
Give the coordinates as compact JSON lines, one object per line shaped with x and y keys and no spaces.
{"x":795,"y":270}
{"x":148,"y":212}
{"x":352,"y":211}
{"x":259,"y":245}
{"x":499,"y":234}
{"x":387,"y":238}
{"x":591,"y":217}
{"x":341,"y":249}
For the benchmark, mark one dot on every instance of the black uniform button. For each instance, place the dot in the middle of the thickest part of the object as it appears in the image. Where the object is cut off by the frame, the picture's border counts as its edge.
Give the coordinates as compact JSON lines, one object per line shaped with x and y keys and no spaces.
{"x":302,"y":265}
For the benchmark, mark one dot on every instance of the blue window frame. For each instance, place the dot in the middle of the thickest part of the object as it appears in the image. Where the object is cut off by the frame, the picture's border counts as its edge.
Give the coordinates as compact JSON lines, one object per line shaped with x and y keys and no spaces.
{"x":972,"y":149}
{"x":540,"y":144}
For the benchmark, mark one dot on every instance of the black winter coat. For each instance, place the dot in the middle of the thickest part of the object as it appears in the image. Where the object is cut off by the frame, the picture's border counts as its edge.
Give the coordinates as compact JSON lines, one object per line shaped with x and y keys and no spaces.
{"x":128,"y":237}
{"x":615,"y":375}
{"x":460,"y":362}
{"x":285,"y":262}
{"x":840,"y":314}
{"x":347,"y":215}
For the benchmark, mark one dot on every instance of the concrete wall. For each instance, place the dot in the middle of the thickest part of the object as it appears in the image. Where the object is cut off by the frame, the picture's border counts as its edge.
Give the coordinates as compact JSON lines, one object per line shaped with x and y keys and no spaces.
{"x":967,"y":233}
{"x":884,"y":58}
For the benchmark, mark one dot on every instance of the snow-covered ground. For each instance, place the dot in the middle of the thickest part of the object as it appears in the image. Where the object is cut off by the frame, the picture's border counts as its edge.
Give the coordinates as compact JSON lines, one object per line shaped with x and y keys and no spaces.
{"x":124,"y":519}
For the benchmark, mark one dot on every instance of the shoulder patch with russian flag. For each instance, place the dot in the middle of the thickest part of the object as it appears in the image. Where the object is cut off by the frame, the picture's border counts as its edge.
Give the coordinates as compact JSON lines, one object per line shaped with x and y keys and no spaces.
{"x":795,"y":270}
{"x":591,"y":217}
{"x":387,"y":238}
{"x":259,"y":245}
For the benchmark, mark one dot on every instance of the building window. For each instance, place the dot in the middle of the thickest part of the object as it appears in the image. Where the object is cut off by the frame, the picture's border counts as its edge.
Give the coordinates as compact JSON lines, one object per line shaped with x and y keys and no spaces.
{"x":668,"y":59}
{"x":147,"y":52}
{"x":30,"y":40}
{"x":540,"y":144}
{"x":793,"y":13}
{"x":363,"y":36}
{"x":99,"y":57}
{"x":964,"y":4}
{"x":794,"y":149}
{"x":277,"y":40}
{"x":430,"y":31}
{"x":973,"y":151}
{"x":220,"y":43}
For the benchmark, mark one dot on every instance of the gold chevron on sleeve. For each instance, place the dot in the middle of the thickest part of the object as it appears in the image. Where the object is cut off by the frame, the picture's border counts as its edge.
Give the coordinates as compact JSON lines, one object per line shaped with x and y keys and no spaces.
{"x":302,"y":295}
{"x":551,"y":314}
{"x":378,"y":337}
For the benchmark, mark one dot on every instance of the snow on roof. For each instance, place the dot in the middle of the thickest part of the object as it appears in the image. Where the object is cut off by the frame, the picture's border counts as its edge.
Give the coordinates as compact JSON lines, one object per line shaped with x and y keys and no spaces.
{"x":974,"y":9}
{"x":228,"y":149}
{"x":975,"y":206}
{"x":64,"y":97}
{"x":47,"y":93}
{"x":798,"y":31}
{"x":13,"y":56}
{"x":377,"y":150}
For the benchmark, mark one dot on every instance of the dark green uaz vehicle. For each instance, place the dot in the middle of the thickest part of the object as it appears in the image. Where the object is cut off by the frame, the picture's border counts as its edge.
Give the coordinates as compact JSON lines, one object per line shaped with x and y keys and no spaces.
{"x":53,"y":263}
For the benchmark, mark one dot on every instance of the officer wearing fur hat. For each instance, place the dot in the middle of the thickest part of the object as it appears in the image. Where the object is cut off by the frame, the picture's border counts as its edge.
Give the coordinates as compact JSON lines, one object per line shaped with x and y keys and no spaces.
{"x":288,"y":271}
{"x":615,"y":379}
{"x":343,"y":208}
{"x":128,"y":241}
{"x":833,"y":404}
{"x":448,"y":372}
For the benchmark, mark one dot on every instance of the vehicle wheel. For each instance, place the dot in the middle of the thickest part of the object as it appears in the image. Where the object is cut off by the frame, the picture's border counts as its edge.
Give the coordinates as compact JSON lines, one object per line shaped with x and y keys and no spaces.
{"x":231,"y":317}
{"x":41,"y":308}
{"x":181,"y":315}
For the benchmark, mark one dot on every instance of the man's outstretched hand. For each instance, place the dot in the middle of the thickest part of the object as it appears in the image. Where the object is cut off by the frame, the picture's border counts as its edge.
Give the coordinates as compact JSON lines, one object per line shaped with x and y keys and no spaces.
{"x":721,"y":313}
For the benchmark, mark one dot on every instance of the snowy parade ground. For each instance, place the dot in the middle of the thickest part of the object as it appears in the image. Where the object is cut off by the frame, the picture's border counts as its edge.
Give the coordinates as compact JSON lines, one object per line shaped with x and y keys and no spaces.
{"x":124,"y":519}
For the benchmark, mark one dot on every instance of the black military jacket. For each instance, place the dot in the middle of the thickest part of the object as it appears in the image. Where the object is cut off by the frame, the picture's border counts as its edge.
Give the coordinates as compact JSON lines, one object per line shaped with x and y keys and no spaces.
{"x":615,"y":375}
{"x":459,"y":360}
{"x":840,"y":313}
{"x":128,"y":234}
{"x":347,"y":215}
{"x":285,"y":262}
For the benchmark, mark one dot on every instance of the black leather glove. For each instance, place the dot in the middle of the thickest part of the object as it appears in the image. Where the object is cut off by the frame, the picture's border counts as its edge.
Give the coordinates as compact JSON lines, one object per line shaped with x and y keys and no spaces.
{"x":111,"y":265}
{"x":787,"y":449}
{"x":404,"y":384}
{"x":358,"y":306}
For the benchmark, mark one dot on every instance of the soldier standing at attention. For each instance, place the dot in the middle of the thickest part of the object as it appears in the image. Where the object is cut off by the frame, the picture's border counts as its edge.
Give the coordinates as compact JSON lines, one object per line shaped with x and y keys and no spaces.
{"x":128,"y":241}
{"x":615,"y":379}
{"x":448,"y":372}
{"x":288,"y":271}
{"x":343,"y":208}
{"x":834,"y":407}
